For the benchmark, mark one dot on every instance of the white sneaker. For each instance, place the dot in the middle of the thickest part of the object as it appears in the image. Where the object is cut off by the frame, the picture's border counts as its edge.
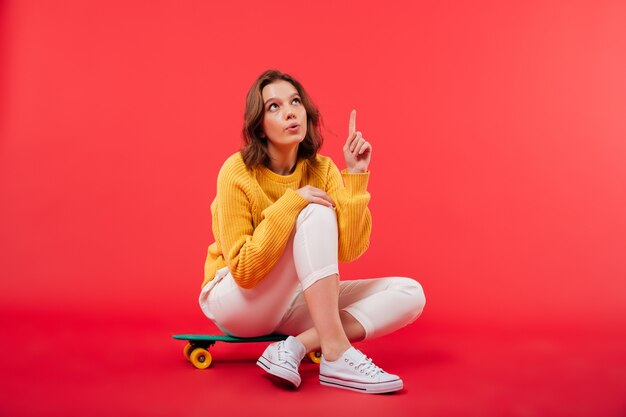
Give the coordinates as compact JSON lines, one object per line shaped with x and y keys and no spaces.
{"x":282,"y":360}
{"x":355,"y":371}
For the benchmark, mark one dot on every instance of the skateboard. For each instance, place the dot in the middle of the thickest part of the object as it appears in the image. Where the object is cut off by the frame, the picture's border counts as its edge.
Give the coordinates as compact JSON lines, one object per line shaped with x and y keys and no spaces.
{"x":197,"y":348}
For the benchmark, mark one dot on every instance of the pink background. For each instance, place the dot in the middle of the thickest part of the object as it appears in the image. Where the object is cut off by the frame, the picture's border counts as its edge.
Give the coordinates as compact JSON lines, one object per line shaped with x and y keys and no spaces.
{"x":497,"y":175}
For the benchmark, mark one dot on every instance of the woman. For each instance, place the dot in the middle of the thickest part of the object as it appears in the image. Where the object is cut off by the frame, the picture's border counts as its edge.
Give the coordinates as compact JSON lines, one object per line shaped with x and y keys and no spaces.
{"x":283,"y":217}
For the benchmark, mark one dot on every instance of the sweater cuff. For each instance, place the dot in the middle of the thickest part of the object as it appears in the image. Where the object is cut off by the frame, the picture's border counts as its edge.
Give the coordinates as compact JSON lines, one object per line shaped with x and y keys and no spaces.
{"x":355,"y":183}
{"x":290,"y":201}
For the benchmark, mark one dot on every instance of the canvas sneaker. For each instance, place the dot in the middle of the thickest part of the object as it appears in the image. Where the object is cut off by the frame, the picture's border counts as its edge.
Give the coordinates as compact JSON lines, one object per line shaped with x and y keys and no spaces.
{"x":282,"y":360}
{"x":356,"y":372}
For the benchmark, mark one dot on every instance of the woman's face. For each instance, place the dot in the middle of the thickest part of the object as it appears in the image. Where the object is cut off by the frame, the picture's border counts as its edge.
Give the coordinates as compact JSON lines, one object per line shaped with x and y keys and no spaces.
{"x":284,"y":115}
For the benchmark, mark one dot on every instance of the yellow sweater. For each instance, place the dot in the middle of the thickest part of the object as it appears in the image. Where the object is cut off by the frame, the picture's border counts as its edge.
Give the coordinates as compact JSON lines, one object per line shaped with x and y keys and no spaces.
{"x":254,"y":213}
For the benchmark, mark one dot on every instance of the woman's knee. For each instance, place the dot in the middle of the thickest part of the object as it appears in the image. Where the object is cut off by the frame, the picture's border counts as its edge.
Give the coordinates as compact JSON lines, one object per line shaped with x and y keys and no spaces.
{"x":317,"y":211}
{"x":414,"y":290}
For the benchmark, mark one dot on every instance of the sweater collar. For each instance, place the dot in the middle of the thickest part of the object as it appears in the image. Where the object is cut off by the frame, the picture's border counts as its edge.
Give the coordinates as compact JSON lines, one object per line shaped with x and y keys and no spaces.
{"x":272,"y":176}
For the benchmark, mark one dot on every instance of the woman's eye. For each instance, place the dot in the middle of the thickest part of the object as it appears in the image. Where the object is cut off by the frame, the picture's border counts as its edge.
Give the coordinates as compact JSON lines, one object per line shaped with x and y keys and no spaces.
{"x":297,"y":100}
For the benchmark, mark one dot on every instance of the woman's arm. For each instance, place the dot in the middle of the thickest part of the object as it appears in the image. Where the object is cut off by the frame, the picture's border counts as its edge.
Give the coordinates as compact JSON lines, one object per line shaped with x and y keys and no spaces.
{"x":353,"y":216}
{"x":250,"y":253}
{"x":354,"y":219}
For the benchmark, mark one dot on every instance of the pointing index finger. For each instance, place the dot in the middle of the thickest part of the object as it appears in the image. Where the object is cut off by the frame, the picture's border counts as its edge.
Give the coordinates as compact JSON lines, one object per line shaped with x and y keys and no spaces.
{"x":352,"y":125}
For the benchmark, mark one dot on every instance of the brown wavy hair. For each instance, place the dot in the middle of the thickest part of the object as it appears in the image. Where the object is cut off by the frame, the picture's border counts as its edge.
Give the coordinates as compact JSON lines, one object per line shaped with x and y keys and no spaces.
{"x":254,"y":151}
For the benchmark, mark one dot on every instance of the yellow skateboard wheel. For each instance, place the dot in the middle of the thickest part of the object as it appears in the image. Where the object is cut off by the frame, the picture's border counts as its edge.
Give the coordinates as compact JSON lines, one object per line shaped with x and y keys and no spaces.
{"x":200,"y":358}
{"x":187,"y":350}
{"x":315,"y":357}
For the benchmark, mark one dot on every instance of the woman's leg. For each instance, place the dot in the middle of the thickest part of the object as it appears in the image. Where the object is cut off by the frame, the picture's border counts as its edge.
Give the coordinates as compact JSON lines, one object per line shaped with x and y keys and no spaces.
{"x":369,"y":308}
{"x":352,"y":328}
{"x":322,"y":299}
{"x":309,"y":261}
{"x":252,"y":312}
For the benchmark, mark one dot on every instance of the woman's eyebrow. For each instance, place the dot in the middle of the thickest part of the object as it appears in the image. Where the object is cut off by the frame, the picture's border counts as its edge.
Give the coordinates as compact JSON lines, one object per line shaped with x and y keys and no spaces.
{"x":276,"y":98}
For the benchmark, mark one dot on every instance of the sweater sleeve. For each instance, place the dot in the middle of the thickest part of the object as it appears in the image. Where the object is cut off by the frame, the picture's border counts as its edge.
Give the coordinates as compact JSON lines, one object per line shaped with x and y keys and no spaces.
{"x":249,"y":252}
{"x":354,"y":220}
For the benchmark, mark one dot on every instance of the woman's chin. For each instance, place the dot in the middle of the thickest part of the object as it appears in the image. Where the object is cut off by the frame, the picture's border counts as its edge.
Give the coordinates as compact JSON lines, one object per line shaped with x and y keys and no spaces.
{"x":294,"y":139}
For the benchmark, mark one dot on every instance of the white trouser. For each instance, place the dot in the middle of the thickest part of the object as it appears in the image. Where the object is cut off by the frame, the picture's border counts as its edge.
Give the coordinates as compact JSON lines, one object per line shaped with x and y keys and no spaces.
{"x":276,"y":304}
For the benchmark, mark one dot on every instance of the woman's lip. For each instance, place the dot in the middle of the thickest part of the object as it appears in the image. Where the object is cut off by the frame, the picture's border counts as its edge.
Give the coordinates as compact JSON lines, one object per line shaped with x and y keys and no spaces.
{"x":293,"y":128}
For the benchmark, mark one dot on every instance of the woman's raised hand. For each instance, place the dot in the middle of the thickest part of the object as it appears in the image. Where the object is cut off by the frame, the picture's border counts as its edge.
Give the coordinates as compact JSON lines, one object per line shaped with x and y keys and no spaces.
{"x":315,"y":195}
{"x":357,"y":151}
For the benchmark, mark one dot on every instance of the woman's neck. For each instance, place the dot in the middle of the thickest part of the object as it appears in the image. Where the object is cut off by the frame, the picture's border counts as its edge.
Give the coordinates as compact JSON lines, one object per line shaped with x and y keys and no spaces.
{"x":283,"y":161}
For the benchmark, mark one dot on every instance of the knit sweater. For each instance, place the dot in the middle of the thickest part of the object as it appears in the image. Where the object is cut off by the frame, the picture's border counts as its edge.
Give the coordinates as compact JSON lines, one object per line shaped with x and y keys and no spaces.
{"x":254,"y":212}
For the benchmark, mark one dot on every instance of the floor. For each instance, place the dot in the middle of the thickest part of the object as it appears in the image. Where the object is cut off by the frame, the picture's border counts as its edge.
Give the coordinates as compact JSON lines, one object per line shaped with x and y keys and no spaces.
{"x":71,"y":364}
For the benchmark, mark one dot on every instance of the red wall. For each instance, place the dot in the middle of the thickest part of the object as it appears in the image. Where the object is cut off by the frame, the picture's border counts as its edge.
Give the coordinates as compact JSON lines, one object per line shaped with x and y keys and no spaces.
{"x":498,"y":133}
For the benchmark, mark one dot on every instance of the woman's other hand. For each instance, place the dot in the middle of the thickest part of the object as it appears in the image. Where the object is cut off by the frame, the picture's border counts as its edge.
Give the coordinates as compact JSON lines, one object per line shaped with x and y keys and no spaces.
{"x":357,"y":151}
{"x":315,"y":195}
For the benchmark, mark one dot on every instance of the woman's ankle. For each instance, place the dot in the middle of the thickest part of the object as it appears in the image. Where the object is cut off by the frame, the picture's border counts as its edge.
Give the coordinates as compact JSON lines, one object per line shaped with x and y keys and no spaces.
{"x":332,"y":353}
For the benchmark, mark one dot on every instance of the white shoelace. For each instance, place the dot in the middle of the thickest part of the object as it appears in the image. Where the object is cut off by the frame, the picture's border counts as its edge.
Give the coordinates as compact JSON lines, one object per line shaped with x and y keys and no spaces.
{"x":368,"y":367}
{"x":286,"y":356}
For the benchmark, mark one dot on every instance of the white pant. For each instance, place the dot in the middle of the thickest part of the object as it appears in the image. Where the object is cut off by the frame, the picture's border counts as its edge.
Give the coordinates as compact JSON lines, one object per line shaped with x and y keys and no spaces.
{"x":276,"y":304}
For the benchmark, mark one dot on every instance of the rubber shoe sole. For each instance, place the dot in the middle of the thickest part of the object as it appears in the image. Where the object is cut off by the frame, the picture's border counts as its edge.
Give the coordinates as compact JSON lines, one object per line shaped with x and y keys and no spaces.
{"x":279,"y":371}
{"x":367,"y":388}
